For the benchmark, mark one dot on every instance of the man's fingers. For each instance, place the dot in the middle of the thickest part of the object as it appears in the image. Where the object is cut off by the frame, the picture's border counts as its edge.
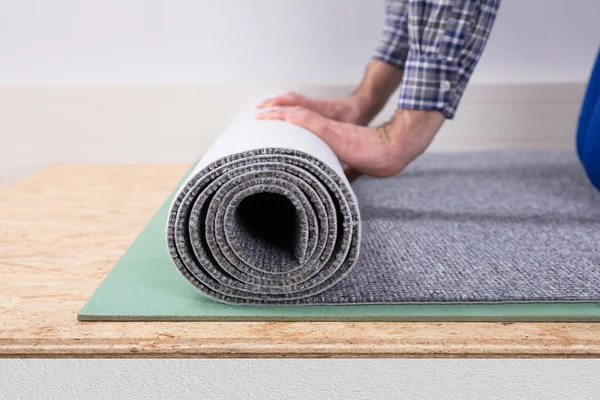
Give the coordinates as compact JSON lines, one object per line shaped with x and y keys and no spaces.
{"x":287,"y":99}
{"x":301,"y":117}
{"x":276,"y":113}
{"x":266,"y":103}
{"x":336,"y":134}
{"x":356,"y":146}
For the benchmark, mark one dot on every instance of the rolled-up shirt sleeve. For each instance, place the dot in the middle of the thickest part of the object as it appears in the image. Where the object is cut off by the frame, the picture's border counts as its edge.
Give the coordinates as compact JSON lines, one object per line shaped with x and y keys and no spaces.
{"x":444,"y":40}
{"x":393,"y":44}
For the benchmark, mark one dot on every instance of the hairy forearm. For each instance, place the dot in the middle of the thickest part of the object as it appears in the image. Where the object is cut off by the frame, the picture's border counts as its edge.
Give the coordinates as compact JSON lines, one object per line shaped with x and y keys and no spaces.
{"x":379,"y":82}
{"x":405,"y":137}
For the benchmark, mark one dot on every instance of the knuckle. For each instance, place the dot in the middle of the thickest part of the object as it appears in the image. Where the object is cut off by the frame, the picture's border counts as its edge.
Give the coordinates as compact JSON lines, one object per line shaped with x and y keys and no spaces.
{"x":304,"y":114}
{"x":297,"y":111}
{"x":291,"y":96}
{"x":324,"y":128}
{"x":291,"y":116}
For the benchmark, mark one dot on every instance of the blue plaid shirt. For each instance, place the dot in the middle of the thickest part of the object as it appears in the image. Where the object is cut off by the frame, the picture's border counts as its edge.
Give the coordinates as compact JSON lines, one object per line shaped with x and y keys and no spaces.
{"x":438,"y":44}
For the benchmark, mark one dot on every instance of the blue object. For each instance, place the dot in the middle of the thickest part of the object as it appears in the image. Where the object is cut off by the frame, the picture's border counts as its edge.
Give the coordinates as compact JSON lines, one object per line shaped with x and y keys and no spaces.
{"x":588,"y":130}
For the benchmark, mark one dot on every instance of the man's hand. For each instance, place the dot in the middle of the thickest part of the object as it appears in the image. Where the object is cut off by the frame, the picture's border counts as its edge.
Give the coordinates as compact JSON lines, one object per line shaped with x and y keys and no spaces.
{"x":380,"y":80}
{"x":381,"y":152}
{"x":341,"y":123}
{"x":353,"y":109}
{"x":357,"y":109}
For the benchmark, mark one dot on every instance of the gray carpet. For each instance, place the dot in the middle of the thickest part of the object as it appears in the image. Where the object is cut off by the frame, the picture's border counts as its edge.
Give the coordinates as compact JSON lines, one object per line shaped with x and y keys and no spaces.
{"x":477,"y":227}
{"x":483,"y":227}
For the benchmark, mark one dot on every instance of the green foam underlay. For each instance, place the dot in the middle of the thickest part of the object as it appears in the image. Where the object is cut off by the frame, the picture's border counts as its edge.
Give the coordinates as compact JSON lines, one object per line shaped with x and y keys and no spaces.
{"x":144,"y":286}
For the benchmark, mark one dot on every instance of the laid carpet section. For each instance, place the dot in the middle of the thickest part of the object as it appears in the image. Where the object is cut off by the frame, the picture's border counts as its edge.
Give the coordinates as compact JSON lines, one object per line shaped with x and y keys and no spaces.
{"x":482,"y":227}
{"x":467,"y":236}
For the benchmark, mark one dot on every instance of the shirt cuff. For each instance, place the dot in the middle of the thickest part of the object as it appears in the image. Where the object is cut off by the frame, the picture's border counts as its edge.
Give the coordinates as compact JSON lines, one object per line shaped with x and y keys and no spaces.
{"x":431,"y":84}
{"x":393,"y":49}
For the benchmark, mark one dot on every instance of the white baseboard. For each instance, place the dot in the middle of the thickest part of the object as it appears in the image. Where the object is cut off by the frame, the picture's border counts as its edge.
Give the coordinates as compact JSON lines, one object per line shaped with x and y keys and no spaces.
{"x":44,"y":124}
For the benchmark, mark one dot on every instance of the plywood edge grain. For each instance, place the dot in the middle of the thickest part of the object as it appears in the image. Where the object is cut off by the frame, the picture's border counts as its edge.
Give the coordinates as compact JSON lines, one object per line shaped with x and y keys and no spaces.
{"x":270,"y":349}
{"x":310,"y":339}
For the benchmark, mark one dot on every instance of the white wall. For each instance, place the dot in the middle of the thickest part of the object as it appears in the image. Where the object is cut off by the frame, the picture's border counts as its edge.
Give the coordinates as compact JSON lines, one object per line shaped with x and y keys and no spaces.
{"x":184,"y":42}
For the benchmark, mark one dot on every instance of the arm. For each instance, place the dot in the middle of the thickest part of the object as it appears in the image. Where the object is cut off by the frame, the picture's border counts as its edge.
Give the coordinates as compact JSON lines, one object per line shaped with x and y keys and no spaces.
{"x":384,"y":72}
{"x":445,"y":41}
{"x":379,"y":82}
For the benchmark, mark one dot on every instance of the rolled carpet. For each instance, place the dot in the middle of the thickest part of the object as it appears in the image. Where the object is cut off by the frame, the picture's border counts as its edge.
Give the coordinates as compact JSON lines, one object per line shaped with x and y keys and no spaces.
{"x":267,"y":216}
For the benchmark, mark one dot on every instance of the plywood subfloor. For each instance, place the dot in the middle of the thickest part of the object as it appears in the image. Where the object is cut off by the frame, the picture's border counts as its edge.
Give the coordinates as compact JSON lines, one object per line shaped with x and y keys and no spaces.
{"x":64,"y":227}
